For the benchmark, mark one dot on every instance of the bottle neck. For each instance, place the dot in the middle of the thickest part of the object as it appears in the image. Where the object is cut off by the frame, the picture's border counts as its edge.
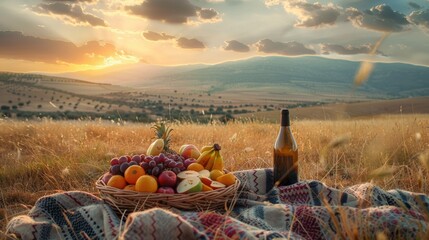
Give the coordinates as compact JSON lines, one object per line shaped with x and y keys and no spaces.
{"x":285,"y":121}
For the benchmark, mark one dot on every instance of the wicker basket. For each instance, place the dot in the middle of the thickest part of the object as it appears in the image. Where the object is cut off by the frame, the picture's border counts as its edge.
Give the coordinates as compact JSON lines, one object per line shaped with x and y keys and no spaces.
{"x":126,"y":201}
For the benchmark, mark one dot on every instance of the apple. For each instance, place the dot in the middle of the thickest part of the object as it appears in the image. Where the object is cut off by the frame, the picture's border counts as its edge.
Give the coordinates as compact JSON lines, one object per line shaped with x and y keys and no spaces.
{"x":190,"y":151}
{"x":190,"y":185}
{"x":204,"y":173}
{"x":165,"y":190}
{"x":186,"y":174}
{"x":181,"y":148}
{"x":167,"y":179}
{"x":216,"y":185}
{"x":207,"y":181}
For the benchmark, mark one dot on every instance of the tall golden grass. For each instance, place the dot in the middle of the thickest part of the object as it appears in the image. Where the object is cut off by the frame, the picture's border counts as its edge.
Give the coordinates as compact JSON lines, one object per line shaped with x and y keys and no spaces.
{"x":42,"y":157}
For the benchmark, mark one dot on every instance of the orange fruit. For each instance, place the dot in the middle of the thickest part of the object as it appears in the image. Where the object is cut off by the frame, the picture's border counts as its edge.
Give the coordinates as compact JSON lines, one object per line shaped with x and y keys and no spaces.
{"x":196,"y":167}
{"x":206,"y":188}
{"x":214,"y":174}
{"x":130,"y":187}
{"x":117,"y":181}
{"x":227,"y":179}
{"x":146,"y":183}
{"x":133,"y":173}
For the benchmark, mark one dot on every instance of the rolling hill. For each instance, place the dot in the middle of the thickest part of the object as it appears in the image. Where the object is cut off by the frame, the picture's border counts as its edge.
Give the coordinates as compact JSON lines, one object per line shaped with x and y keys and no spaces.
{"x":314,"y":77}
{"x":340,"y":111}
{"x":307,"y":74}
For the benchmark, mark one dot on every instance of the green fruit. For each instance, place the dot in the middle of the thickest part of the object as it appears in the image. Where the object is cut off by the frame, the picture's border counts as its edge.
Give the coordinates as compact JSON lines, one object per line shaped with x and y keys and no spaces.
{"x":190,"y":185}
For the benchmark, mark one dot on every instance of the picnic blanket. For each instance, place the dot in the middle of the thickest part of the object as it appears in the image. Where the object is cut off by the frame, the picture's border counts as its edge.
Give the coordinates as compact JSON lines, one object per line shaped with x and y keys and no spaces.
{"x":305,"y":210}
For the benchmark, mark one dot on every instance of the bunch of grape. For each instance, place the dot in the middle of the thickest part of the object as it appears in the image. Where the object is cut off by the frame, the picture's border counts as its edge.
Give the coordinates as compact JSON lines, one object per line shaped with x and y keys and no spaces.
{"x":118,"y":166}
{"x":154,"y":165}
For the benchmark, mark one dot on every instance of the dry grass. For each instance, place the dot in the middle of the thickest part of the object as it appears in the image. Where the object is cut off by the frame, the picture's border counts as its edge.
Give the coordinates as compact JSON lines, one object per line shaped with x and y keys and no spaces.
{"x":37,"y":158}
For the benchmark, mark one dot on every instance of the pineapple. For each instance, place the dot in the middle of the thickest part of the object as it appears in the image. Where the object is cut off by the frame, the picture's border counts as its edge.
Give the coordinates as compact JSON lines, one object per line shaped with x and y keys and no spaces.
{"x":162,"y":143}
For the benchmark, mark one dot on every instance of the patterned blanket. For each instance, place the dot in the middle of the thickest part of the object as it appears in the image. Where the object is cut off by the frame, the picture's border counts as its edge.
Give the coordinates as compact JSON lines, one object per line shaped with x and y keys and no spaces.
{"x":306,"y":210}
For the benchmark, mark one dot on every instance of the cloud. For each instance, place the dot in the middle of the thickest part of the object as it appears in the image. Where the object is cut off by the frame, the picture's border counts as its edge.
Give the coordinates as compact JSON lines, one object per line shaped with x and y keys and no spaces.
{"x":346,"y":50}
{"x":289,"y":48}
{"x":420,"y":18}
{"x":379,"y":18}
{"x":154,"y":36}
{"x":208,"y":13}
{"x":15,"y":45}
{"x":189,"y":43}
{"x":310,"y":14}
{"x":236,"y":46}
{"x":414,"y":5}
{"x":71,"y":13}
{"x":71,"y":1}
{"x":171,"y":11}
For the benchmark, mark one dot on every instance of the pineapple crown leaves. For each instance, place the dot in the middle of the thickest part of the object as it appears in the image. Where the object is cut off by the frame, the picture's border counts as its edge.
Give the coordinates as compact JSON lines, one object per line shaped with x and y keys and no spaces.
{"x":162,"y":131}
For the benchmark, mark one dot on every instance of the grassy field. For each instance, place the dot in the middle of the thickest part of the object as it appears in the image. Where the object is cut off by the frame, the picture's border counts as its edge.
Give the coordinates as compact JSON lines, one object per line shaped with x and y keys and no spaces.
{"x":39,"y":158}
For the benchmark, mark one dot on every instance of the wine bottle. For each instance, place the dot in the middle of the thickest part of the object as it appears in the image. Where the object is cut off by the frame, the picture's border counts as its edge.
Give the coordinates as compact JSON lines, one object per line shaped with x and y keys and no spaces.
{"x":285,"y":154}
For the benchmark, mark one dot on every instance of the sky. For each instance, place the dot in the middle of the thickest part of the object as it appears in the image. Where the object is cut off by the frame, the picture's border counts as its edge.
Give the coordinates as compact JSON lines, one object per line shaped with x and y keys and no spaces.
{"x":76,"y":35}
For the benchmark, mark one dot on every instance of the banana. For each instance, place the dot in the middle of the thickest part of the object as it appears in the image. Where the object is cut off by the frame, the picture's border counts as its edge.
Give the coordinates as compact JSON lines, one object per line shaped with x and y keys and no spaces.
{"x":211,"y":160}
{"x":218,"y":162}
{"x":204,"y":157}
{"x":206,"y":148}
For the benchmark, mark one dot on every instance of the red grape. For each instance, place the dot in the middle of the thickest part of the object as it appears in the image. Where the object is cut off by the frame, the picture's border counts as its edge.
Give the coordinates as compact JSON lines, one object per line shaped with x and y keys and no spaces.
{"x":145,"y":165}
{"x":172,"y":164}
{"x":176,"y":170}
{"x":115,"y":170}
{"x":124,"y":166}
{"x":123,"y":159}
{"x":136,"y":158}
{"x":152,"y":164}
{"x":179,"y":165}
{"x":156,"y":171}
{"x":147,"y":159}
{"x":114,"y":161}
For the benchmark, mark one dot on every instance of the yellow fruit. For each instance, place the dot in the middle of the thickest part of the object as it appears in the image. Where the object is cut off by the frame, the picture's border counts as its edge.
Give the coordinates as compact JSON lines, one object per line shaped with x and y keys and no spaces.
{"x":206,"y":148}
{"x":206,"y":188}
{"x":156,"y":147}
{"x":204,"y":157}
{"x":218,"y":162}
{"x":209,"y":164}
{"x":133,"y":173}
{"x":214,"y":174}
{"x":227,"y":179}
{"x":130,"y":187}
{"x":196,"y":167}
{"x":146,"y":183}
{"x":117,"y":181}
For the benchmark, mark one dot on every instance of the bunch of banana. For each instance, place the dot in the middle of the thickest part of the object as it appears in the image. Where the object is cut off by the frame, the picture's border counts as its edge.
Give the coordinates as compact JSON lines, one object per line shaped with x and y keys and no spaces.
{"x":210,"y":158}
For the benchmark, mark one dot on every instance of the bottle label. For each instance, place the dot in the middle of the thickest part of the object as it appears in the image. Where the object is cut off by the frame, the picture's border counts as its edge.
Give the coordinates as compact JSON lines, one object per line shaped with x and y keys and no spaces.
{"x":285,"y":170}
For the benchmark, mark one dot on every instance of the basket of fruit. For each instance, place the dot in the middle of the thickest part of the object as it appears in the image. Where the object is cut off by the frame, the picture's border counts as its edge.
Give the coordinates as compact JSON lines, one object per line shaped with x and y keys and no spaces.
{"x":191,"y":179}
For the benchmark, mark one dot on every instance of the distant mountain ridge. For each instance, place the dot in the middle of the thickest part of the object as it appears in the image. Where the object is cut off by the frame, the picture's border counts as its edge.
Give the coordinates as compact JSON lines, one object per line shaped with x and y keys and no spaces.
{"x":299,"y":75}
{"x":309,"y":73}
